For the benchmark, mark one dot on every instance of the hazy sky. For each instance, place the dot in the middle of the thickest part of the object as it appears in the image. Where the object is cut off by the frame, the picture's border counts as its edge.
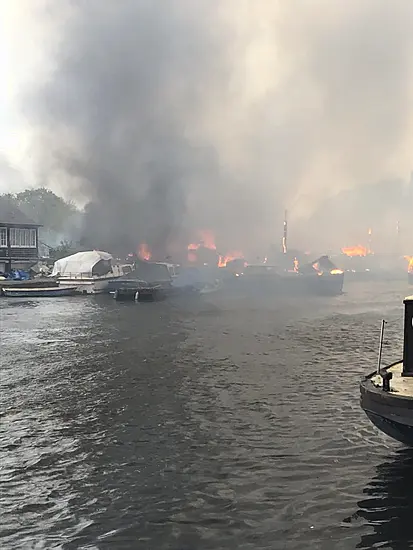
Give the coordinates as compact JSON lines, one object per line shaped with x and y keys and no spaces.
{"x":289,"y":101}
{"x":24,"y":40}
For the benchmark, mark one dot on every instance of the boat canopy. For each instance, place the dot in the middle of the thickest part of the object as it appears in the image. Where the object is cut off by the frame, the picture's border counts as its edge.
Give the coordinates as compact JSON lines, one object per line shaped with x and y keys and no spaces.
{"x":91,"y":262}
{"x":152,"y":272}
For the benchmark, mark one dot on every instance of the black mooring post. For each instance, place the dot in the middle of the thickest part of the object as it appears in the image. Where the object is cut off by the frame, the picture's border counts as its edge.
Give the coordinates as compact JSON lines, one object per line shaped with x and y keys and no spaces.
{"x":408,"y":337}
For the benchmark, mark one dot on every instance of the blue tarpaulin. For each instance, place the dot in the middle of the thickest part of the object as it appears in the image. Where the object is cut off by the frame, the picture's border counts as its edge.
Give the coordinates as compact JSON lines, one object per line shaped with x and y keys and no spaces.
{"x":18,"y":275}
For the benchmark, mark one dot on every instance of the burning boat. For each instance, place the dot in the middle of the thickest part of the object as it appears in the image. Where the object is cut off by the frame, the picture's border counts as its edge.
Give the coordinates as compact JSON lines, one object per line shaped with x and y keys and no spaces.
{"x":319,"y":277}
{"x":361,"y":264}
{"x":386,"y":395}
{"x":205,"y":254}
{"x":154,"y":274}
{"x":323,"y":277}
{"x":90,"y":272}
{"x":357,"y":262}
{"x":160,"y":279}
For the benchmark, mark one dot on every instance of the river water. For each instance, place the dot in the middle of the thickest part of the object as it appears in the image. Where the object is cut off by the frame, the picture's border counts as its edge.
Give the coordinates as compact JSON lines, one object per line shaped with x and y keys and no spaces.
{"x":223,"y":422}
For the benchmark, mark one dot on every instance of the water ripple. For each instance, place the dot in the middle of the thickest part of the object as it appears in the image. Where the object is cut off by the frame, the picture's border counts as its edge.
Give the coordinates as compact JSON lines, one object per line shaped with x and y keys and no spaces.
{"x":228,"y":422}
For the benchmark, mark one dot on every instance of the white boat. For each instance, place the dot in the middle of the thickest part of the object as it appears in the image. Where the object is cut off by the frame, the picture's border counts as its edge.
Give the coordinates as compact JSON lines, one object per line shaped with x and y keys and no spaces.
{"x":90,"y":272}
{"x":34,"y":292}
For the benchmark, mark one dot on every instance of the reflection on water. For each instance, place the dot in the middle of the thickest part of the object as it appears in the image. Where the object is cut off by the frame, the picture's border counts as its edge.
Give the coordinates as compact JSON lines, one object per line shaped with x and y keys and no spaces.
{"x":387,"y":504}
{"x":222,"y":422}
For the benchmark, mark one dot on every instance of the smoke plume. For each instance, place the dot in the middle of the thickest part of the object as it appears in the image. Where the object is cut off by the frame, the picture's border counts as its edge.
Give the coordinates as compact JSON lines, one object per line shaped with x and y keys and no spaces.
{"x":172,"y":116}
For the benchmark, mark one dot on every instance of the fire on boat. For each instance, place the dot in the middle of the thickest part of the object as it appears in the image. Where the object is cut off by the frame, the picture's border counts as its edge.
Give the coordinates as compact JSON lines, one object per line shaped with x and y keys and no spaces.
{"x":284,"y":272}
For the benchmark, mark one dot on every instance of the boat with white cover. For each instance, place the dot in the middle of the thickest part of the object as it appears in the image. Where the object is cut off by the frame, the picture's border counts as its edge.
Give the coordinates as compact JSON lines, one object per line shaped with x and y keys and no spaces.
{"x":91,"y":271}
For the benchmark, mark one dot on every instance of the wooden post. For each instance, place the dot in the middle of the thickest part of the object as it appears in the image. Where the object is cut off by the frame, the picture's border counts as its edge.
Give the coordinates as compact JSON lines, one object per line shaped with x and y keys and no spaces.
{"x":408,"y":337}
{"x":381,"y":346}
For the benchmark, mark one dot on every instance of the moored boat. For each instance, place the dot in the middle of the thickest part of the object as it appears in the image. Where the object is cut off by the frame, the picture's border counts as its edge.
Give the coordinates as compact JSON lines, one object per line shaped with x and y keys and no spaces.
{"x":43,"y":282}
{"x":129,"y":281}
{"x":326,"y":284}
{"x":386,"y":395}
{"x":320,"y":277}
{"x":91,"y":271}
{"x":39,"y":292}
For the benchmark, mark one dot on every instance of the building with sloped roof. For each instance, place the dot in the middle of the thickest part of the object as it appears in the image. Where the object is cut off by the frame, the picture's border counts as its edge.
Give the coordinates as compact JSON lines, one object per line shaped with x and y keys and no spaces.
{"x":19,"y":238}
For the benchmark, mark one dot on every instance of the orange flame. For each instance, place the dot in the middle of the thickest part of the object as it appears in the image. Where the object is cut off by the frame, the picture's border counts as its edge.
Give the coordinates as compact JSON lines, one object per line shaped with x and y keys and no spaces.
{"x":410,"y":264}
{"x":144,"y":253}
{"x":296,"y":265}
{"x":206,"y":240}
{"x":316,"y":266}
{"x":336,"y":272}
{"x":352,"y":251}
{"x":223,"y":260}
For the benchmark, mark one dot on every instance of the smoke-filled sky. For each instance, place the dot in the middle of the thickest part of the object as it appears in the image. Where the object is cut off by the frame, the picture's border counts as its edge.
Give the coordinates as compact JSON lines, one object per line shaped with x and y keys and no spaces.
{"x":177,"y":115}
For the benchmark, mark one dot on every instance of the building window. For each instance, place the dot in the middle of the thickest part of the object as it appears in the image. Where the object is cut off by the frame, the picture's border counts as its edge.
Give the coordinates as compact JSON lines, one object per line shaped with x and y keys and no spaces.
{"x":32,"y":238}
{"x":23,"y":238}
{"x":3,"y":237}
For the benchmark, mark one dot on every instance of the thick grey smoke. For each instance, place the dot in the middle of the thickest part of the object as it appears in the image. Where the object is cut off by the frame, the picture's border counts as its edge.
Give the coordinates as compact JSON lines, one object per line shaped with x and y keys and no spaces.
{"x":10,"y":176}
{"x":128,"y":87}
{"x":172,"y":116}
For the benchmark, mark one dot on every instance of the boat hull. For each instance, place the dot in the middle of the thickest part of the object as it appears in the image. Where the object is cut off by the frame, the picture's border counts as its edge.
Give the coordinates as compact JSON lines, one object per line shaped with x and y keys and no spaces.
{"x":31,"y":283}
{"x":148,"y":294}
{"x":88,"y":285}
{"x":324,"y":285}
{"x":50,"y":292}
{"x":381,"y":275}
{"x":389,"y":412}
{"x":400,"y":432}
{"x":124,"y":283}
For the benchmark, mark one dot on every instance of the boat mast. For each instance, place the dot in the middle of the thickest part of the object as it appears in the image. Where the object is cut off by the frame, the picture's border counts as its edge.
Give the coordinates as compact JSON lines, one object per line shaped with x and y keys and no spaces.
{"x":398,"y":248}
{"x":284,"y":241}
{"x":370,"y":232}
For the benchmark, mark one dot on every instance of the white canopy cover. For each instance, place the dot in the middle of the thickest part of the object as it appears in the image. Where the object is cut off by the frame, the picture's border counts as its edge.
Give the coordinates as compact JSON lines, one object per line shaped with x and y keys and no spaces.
{"x":81,"y":262}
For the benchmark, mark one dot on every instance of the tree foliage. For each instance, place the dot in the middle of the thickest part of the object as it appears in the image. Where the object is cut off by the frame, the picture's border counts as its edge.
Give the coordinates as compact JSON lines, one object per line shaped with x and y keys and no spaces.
{"x":44,"y":207}
{"x":65,"y":248}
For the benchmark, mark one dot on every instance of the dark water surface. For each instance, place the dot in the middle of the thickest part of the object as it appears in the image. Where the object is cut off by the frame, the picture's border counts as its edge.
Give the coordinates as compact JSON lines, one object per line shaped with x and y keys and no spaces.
{"x":222,"y":423}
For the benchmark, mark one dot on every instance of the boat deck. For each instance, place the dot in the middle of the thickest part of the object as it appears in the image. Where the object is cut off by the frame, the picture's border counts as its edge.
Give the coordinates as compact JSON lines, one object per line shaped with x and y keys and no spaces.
{"x":402,"y":385}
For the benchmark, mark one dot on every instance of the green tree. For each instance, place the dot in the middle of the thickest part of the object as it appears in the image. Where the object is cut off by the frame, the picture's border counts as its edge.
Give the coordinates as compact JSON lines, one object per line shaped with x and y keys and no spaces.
{"x":65,"y":248}
{"x":44,"y":207}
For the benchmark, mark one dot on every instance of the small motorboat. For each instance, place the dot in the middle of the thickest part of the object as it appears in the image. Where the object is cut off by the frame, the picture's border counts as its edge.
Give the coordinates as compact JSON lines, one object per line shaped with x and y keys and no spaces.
{"x":91,"y":271}
{"x":41,"y":282}
{"x":41,"y":292}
